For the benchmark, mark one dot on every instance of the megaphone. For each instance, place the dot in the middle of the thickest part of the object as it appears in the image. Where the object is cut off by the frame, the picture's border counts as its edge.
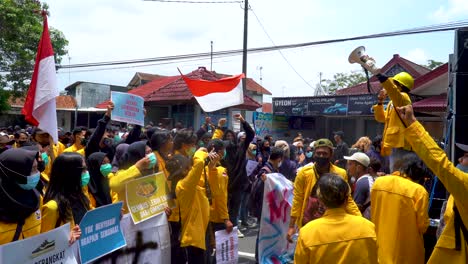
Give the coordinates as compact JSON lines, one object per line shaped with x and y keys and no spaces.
{"x":358,"y":55}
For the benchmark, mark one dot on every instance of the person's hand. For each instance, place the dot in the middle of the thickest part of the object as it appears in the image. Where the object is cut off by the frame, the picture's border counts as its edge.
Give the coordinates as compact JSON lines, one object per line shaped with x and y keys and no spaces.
{"x":382,"y":95}
{"x":143,"y":164}
{"x":110,"y":107}
{"x":407,"y":115}
{"x":222,"y":122}
{"x":239,"y":117}
{"x":202,"y":149}
{"x":214,"y":159}
{"x":289,"y":235}
{"x":75,"y":234}
{"x":336,"y":162}
{"x":228,"y":225}
{"x":302,"y":158}
{"x":168,"y":211}
{"x":263,"y":177}
{"x":207,"y":120}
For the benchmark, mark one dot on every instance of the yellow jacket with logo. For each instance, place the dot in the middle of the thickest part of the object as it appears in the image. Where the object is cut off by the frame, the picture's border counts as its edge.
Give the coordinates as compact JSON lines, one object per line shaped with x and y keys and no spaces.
{"x":394,"y":128}
{"x":75,"y":148}
{"x":117,"y":184}
{"x":399,"y":210}
{"x":50,"y":216}
{"x":31,"y":227}
{"x":194,"y":206}
{"x":337,"y":237}
{"x":303,"y":184}
{"x":456,"y":183}
{"x":218,"y":179}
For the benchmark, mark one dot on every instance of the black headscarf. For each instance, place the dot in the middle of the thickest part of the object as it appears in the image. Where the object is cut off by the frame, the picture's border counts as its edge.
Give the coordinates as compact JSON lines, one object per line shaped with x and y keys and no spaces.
{"x":135,"y":152}
{"x":119,"y":156}
{"x":98,"y":184}
{"x":16,"y":204}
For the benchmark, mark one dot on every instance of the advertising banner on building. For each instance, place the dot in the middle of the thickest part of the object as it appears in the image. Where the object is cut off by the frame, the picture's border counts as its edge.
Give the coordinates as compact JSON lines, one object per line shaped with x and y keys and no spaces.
{"x":361,"y":104}
{"x":128,"y":108}
{"x":147,"y":196}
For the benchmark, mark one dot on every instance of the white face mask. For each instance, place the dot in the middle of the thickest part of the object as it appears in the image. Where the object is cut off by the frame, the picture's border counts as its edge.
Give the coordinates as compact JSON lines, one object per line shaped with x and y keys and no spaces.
{"x":279,"y":164}
{"x":352,"y":180}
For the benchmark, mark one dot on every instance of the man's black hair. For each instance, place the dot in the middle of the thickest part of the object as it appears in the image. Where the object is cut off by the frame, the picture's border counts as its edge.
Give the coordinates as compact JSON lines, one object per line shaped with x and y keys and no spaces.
{"x":276,"y":153}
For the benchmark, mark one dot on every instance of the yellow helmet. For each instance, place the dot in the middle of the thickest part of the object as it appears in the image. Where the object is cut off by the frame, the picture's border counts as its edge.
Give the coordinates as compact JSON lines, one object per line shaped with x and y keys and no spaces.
{"x":404,"y":79}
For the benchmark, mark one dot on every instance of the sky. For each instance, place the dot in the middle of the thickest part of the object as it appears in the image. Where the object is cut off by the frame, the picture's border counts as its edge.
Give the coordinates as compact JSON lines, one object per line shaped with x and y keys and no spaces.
{"x":110,"y":30}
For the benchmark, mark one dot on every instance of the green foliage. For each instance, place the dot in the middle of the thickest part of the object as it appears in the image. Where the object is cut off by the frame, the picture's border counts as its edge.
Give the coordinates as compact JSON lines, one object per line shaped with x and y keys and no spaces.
{"x":343,"y":80}
{"x":432,"y":64}
{"x":20,"y":32}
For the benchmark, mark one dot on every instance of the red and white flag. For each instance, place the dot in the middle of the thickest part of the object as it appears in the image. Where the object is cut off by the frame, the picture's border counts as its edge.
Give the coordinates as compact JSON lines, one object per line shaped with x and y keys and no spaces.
{"x":216,"y":95}
{"x":39,"y":108}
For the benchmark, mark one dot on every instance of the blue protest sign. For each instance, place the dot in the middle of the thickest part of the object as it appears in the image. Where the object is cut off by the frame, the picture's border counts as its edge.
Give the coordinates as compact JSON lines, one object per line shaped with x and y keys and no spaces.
{"x":101,"y":232}
{"x":128,"y":108}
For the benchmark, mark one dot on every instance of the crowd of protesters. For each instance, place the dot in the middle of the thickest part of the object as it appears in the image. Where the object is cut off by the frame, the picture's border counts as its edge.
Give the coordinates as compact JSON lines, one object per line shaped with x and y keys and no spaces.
{"x":350,"y":204}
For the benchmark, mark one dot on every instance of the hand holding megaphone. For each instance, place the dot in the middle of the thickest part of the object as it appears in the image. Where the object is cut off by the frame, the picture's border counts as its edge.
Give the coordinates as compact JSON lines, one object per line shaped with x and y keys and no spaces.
{"x":358,"y":55}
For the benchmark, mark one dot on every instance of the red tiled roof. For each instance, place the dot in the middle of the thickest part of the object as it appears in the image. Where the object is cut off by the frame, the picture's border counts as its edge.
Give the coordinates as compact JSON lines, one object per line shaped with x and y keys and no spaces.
{"x":441,"y":70}
{"x":437,"y":103}
{"x":267,"y":108}
{"x":61,"y":102}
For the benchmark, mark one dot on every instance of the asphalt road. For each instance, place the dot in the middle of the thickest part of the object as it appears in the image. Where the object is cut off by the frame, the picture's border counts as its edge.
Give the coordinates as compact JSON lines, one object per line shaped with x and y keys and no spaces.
{"x":247,"y":246}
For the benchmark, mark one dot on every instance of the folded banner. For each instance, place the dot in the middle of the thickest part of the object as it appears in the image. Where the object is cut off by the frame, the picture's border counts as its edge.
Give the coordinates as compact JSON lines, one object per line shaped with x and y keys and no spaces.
{"x":128,"y":108}
{"x":101,"y":232}
{"x":276,"y":211}
{"x":147,"y":196}
{"x":49,"y":247}
{"x":219,"y":94}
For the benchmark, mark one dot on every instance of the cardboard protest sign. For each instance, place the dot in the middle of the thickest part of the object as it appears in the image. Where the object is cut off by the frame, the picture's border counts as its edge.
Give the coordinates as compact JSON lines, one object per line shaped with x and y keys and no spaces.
{"x":101,"y":232}
{"x":128,"y":108}
{"x":147,"y":196}
{"x":49,"y":247}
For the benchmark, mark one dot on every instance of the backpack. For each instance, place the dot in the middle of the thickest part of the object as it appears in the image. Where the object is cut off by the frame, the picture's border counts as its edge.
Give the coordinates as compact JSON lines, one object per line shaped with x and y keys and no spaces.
{"x":315,"y":208}
{"x":256,"y":194}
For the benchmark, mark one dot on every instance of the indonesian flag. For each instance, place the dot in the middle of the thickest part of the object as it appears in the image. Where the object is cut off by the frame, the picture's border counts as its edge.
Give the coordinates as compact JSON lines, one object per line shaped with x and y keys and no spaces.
{"x":39,"y":108}
{"x":216,"y":95}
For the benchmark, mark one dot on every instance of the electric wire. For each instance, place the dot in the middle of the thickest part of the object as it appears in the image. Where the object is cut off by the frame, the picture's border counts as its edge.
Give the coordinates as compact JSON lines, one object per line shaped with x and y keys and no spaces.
{"x":195,"y":2}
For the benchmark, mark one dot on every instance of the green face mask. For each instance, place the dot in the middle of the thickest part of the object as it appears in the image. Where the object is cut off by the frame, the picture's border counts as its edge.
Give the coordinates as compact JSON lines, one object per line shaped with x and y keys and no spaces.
{"x":191,"y":151}
{"x":224,"y":155}
{"x":84,"y":178}
{"x":106,"y":169}
{"x":201,"y":144}
{"x":45,"y":158}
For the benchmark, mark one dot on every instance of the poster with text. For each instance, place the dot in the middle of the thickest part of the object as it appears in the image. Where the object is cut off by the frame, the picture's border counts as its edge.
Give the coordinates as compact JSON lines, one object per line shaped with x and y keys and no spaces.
{"x":263,"y":123}
{"x":147,"y":196}
{"x":49,"y":247}
{"x":128,"y":108}
{"x":227,"y":247}
{"x":100,"y":232}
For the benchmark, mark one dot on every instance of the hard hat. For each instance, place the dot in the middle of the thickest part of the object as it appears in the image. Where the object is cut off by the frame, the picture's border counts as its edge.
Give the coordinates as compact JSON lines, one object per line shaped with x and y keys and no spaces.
{"x":404,"y":79}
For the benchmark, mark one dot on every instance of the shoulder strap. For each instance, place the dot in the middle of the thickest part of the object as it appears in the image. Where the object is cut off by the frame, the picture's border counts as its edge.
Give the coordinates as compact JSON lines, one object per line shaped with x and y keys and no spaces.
{"x":207,"y":186}
{"x":19,"y":228}
{"x":458,"y":223}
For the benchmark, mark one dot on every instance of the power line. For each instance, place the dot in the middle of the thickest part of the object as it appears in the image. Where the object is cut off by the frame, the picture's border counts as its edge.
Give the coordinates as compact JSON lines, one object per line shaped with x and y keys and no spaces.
{"x":280,"y":52}
{"x":419,"y":30}
{"x":195,"y":2}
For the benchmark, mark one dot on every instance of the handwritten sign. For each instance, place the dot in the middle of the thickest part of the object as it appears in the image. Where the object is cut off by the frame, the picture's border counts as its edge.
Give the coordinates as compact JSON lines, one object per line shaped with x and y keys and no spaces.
{"x":147,"y":196}
{"x":276,"y":211}
{"x":49,"y":247}
{"x":101,"y":232}
{"x":251,"y":166}
{"x":227,"y":247}
{"x":128,"y":108}
{"x":262,"y":123}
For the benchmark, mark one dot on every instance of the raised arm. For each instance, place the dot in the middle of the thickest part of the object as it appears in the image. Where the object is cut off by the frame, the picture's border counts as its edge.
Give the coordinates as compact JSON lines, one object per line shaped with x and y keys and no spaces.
{"x":93,"y":143}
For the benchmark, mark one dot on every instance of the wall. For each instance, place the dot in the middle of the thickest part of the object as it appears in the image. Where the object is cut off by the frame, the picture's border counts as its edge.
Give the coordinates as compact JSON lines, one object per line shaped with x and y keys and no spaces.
{"x":91,"y":94}
{"x":64,"y":119}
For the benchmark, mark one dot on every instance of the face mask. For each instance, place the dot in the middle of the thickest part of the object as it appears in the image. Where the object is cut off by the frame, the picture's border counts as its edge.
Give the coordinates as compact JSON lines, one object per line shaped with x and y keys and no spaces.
{"x":279,"y":164}
{"x":84,"y":178}
{"x":191,"y":152}
{"x":300,"y":151}
{"x":32,"y":181}
{"x":84,"y":141}
{"x":352,"y":180}
{"x":106,"y":169}
{"x":322,"y":161}
{"x":116,"y":138}
{"x":309,"y":154}
{"x":152,"y":159}
{"x":45,"y":158}
{"x":201,"y":144}
{"x":463,"y":168}
{"x":254,"y":152}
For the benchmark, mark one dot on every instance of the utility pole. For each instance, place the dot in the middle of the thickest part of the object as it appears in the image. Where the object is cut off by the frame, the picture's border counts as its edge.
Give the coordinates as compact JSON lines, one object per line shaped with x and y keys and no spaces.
{"x":211,"y":57}
{"x":244,"y":51}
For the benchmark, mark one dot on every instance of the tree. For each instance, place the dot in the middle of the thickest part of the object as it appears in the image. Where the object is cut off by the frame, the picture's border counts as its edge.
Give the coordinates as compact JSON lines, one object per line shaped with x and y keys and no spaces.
{"x":432,"y":64}
{"x":343,"y":80}
{"x":20,"y":32}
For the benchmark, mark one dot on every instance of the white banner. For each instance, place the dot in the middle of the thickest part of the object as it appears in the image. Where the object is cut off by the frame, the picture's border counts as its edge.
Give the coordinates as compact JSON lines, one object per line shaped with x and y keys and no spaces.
{"x":227,"y":247}
{"x":276,"y":211}
{"x":49,"y":247}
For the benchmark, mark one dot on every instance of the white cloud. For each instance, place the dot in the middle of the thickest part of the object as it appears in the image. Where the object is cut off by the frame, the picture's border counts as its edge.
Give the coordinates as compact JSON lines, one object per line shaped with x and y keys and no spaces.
{"x":450,"y":12}
{"x":417,"y":55}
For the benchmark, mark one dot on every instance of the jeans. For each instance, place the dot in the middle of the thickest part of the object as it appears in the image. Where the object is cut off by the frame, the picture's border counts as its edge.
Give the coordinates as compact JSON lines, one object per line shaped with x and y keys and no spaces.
{"x":397,"y":154}
{"x":243,"y":211}
{"x":234,"y":201}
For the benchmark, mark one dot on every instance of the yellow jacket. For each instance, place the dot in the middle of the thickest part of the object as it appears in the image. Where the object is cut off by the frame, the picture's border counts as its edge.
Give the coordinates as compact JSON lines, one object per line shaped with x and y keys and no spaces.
{"x":57,"y":150}
{"x":394,"y":128}
{"x":92,"y":201}
{"x":75,"y":148}
{"x":174,"y":217}
{"x":456,"y":183}
{"x":337,"y":237}
{"x":303,"y":184}
{"x":399,"y":209}
{"x":31,"y":227}
{"x":117,"y":184}
{"x":194,"y":206}
{"x":50,"y":216}
{"x":218,"y":179}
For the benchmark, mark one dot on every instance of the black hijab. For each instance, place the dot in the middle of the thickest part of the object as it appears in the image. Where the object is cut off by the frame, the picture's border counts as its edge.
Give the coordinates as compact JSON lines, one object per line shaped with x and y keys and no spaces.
{"x":98,"y":184}
{"x":16,"y":204}
{"x":135,"y":152}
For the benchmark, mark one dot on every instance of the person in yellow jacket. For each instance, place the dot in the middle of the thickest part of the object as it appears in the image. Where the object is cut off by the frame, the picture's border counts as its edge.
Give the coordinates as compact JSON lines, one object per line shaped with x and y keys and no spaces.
{"x":399,"y":210}
{"x":336,"y":237}
{"x":452,"y":245}
{"x":305,"y":181}
{"x":217,"y":177}
{"x":193,"y":202}
{"x":53,"y":150}
{"x":78,"y":135}
{"x":397,"y":89}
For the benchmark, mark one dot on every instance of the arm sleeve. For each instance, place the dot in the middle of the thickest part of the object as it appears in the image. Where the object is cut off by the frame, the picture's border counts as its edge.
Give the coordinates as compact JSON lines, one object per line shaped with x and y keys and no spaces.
{"x":379,"y":113}
{"x":298,"y":195}
{"x":193,"y":177}
{"x":118,"y":180}
{"x":218,"y":134}
{"x":351,"y":207}
{"x":398,"y":98}
{"x":50,"y":216}
{"x":93,"y":144}
{"x":223,"y":184}
{"x":301,"y":255}
{"x":134,"y":135}
{"x":422,"y":217}
{"x":361,"y":193}
{"x":249,"y":133}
